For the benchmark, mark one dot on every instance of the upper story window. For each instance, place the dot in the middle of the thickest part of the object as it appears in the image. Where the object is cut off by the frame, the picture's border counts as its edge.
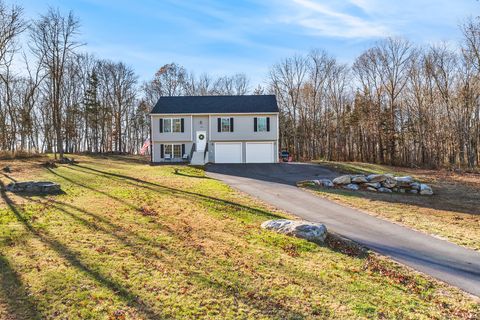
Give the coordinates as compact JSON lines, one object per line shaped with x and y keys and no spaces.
{"x":225,"y":124}
{"x":261,"y":124}
{"x":172,"y":125}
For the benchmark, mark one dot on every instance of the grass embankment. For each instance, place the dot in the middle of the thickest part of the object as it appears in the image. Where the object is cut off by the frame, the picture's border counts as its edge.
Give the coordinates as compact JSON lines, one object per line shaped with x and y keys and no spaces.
{"x":452,"y":213}
{"x":131,"y":241}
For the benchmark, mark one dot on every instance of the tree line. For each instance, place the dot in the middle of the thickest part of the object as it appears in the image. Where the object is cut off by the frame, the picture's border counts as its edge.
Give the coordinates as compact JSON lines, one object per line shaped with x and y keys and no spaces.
{"x":397,"y":103}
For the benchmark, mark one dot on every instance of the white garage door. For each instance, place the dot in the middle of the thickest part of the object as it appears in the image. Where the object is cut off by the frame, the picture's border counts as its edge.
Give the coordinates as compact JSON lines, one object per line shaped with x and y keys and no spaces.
{"x":260,"y":152}
{"x":230,"y":152}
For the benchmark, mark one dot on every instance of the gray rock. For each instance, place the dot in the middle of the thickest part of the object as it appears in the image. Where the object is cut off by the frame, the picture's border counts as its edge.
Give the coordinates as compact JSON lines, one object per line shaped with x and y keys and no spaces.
{"x":351,"y":186}
{"x":425,"y":190}
{"x":359,"y":179}
{"x":375,"y":185}
{"x":377,"y":177}
{"x":415,"y":185}
{"x":342,"y":180}
{"x":326,"y":183}
{"x":371,"y":189}
{"x":384,"y":190}
{"x":404,"y":181}
{"x":402,"y":190}
{"x":315,"y":232}
{"x":389,"y":183}
{"x":413,"y":191}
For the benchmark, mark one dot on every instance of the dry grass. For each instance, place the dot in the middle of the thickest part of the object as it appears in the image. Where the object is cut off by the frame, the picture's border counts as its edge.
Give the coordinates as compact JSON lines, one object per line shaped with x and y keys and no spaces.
{"x":131,"y":241}
{"x":452,"y":213}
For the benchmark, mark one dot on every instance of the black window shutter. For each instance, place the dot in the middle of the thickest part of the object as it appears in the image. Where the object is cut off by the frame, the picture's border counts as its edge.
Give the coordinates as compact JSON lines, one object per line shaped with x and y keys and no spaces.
{"x":219,"y":122}
{"x":182,"y":124}
{"x":162,"y":153}
{"x":161,"y":126}
{"x":231,"y":124}
{"x":255,"y":124}
{"x":183,"y":148}
{"x":268,"y":124}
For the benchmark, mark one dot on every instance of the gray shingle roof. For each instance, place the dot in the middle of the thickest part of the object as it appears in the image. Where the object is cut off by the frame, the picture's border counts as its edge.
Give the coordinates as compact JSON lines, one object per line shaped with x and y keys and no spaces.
{"x":217,"y":104}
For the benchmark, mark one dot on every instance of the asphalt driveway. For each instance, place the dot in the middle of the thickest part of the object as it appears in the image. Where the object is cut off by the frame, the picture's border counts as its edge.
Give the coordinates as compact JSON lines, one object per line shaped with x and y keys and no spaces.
{"x":275,"y":184}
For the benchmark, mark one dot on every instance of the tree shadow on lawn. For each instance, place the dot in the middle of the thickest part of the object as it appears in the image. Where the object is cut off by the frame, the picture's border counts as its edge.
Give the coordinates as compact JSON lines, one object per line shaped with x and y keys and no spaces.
{"x":19,"y":303}
{"x":72,"y":257}
{"x":176,"y":192}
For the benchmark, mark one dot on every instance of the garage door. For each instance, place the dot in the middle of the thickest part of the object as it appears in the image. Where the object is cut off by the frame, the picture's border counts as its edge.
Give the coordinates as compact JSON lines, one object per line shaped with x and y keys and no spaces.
{"x":228,"y":152}
{"x":260,"y":152}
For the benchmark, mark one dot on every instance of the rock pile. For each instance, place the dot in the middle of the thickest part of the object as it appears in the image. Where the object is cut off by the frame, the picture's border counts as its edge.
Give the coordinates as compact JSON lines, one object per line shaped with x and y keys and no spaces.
{"x":386,"y":183}
{"x":38,"y":187}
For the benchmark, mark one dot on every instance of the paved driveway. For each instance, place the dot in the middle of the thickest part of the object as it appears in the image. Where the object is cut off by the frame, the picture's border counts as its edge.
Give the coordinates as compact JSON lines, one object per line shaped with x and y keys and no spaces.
{"x":275,"y":184}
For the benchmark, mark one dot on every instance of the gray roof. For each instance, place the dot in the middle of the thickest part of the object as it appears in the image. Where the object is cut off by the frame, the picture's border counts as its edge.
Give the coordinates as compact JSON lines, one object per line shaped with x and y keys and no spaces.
{"x":217,"y":104}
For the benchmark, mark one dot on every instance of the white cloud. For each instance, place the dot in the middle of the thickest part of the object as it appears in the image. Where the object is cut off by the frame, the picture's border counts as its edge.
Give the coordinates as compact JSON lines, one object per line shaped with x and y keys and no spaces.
{"x":326,"y":20}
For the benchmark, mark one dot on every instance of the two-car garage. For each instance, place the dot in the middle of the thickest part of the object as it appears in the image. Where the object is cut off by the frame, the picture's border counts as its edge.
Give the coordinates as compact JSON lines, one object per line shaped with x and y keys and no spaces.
{"x":244,"y":152}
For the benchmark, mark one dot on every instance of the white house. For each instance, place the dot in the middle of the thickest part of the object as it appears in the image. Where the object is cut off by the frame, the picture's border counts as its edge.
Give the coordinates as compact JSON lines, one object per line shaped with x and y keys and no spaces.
{"x":217,"y":129}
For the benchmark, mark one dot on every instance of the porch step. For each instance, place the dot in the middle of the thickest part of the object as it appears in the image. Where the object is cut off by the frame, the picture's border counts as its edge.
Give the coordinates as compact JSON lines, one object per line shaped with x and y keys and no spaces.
{"x":198,"y":158}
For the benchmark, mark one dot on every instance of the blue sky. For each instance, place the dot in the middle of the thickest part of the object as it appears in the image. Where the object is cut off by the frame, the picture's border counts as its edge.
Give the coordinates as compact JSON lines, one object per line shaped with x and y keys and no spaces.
{"x":226,"y":37}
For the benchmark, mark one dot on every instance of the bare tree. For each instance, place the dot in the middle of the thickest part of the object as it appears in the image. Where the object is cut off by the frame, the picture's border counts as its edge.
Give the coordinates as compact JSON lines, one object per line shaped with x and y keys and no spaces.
{"x":53,"y":43}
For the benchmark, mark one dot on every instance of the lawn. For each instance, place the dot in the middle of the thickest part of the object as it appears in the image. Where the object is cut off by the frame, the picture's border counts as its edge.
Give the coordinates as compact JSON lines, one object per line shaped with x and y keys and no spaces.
{"x":131,"y":241}
{"x":452,"y":213}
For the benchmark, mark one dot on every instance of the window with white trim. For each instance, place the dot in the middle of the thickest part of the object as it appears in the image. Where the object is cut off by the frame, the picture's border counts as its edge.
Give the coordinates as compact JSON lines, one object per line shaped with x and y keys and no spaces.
{"x":225,"y":125}
{"x":173,"y":151}
{"x":262,"y":124}
{"x":172,"y":125}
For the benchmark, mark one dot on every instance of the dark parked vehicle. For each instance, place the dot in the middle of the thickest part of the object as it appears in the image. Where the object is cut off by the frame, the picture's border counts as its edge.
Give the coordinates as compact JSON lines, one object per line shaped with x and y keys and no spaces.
{"x":285,"y":156}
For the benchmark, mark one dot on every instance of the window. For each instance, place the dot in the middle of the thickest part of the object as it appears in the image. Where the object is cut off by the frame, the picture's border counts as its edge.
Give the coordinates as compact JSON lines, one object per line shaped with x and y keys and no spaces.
{"x":262,"y":124}
{"x":177,"y":125}
{"x":225,"y":125}
{"x":172,"y":151}
{"x":177,"y":151}
{"x":168,"y":151}
{"x":172,"y":125}
{"x":167,"y":125}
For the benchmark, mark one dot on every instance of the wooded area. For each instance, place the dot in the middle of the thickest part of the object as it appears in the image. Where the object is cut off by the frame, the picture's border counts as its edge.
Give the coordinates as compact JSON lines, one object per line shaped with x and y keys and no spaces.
{"x":398,"y":103}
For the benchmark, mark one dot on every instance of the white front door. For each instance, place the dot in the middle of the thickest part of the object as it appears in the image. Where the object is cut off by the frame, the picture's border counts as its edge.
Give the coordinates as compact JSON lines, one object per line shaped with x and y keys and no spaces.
{"x":201,"y":141}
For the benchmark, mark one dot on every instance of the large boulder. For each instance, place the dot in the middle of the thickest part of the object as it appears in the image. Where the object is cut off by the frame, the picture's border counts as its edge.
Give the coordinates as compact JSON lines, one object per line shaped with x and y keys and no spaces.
{"x":342,"y":180}
{"x":42,"y":187}
{"x":351,"y":186}
{"x":425,"y":190}
{"x":377,"y":177}
{"x":311,"y":231}
{"x":359,"y":179}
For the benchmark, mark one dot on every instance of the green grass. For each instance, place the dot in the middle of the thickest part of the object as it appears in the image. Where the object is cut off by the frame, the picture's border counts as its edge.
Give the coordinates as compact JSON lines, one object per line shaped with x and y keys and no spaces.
{"x":131,"y":241}
{"x":452,"y":213}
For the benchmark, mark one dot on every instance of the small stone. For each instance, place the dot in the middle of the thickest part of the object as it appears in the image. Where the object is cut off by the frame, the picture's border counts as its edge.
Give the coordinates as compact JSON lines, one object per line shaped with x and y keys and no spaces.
{"x":371,"y":189}
{"x":359,"y":179}
{"x":351,"y":186}
{"x":384,"y":190}
{"x":413,"y":191}
{"x":402,"y":190}
{"x":377,"y":177}
{"x":389,"y":183}
{"x":342,"y":180}
{"x":311,"y":231}
{"x":415,"y":185}
{"x":375,"y":185}
{"x":425,"y":190}
{"x":326,"y":183}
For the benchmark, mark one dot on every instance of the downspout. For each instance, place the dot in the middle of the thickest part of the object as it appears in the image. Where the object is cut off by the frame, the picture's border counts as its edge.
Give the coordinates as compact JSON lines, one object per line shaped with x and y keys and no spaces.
{"x":151,"y":143}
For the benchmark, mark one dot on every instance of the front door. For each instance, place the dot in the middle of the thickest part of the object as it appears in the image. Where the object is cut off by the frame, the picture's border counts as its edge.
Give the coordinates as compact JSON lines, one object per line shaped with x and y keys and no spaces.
{"x":201,"y":140}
